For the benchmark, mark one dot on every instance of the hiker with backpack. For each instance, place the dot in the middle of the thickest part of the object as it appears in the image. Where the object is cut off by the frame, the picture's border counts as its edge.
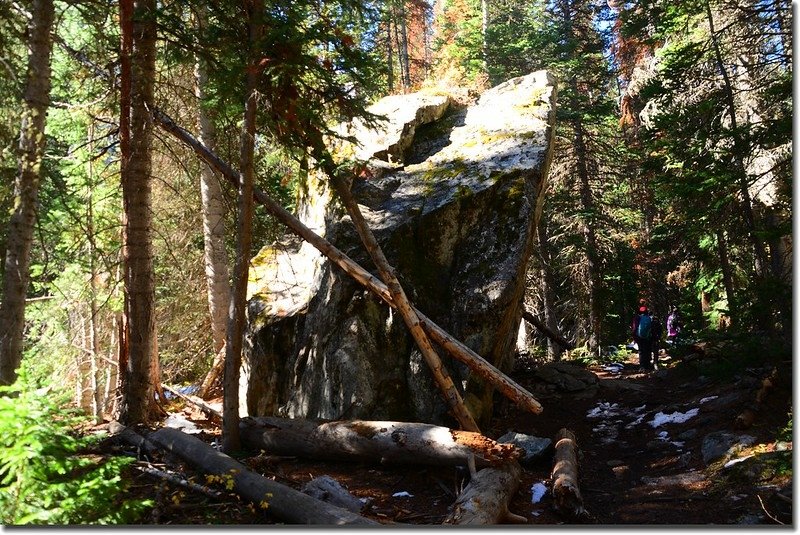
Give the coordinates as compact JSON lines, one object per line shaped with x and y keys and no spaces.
{"x":641,"y":328}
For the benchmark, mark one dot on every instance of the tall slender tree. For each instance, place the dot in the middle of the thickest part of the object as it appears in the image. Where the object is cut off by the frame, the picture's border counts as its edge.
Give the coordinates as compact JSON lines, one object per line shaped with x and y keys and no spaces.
{"x":140,"y":364}
{"x":26,"y":190}
{"x":213,"y":207}
{"x":244,"y":232}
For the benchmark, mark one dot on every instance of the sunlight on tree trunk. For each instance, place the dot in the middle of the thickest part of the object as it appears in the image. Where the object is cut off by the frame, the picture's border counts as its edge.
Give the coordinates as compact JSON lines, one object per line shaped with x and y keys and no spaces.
{"x":140,"y":379}
{"x":26,"y":190}
{"x":231,"y":440}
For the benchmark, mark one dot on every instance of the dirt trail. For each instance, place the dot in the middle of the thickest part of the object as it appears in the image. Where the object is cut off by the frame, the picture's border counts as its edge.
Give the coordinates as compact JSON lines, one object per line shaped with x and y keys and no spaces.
{"x":641,"y":438}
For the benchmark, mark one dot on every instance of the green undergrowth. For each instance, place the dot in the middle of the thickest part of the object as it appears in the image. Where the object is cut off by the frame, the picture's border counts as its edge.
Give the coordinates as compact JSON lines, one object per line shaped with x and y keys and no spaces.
{"x":48,"y":472}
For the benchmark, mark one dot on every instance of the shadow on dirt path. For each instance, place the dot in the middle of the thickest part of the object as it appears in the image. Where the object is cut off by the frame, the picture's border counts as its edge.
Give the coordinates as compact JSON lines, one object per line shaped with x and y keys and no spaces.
{"x":647,"y":442}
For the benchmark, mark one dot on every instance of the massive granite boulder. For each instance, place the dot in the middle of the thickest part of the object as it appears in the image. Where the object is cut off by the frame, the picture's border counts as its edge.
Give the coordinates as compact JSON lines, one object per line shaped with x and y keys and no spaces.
{"x":453,"y":195}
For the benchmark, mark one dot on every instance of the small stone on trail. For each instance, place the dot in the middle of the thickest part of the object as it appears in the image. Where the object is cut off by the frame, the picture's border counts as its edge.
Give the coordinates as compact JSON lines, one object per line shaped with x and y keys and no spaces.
{"x":534,"y":447}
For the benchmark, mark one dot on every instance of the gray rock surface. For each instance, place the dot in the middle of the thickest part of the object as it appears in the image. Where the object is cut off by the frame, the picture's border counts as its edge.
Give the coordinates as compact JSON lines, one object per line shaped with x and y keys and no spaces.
{"x":535,"y":447}
{"x":719,"y":444}
{"x":453,"y":196}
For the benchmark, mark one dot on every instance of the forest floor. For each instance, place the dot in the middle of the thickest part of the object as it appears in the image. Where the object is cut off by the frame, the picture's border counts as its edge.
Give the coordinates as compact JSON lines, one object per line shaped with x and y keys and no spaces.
{"x":640,"y":436}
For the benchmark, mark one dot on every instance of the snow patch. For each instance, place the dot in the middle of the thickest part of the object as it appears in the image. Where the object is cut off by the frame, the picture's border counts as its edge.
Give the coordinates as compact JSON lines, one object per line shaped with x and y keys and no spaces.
{"x":538,"y":490}
{"x":676,"y":417}
{"x":709,"y":398}
{"x":402,"y":494}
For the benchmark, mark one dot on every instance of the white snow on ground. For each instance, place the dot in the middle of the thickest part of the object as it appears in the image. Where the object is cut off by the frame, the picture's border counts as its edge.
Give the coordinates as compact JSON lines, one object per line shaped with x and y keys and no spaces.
{"x":538,"y":490}
{"x":604,"y":409}
{"x":402,"y":494}
{"x":709,"y":398}
{"x":676,"y":417}
{"x":613,"y":416}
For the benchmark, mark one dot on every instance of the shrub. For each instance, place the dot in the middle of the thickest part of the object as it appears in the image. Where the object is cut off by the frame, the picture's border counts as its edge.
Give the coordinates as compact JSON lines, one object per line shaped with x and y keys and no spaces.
{"x":46,"y":475}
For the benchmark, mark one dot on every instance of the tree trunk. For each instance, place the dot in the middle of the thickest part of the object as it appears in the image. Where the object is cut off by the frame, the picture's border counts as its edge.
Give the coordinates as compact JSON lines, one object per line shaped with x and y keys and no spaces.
{"x":278,"y":500}
{"x":244,"y":234}
{"x":439,"y":372}
{"x":454,"y":347}
{"x":404,"y":57}
{"x":140,"y":372}
{"x":385,"y":442}
{"x":26,"y":190}
{"x":566,"y":492}
{"x":727,"y":276}
{"x":216,"y":258}
{"x":738,"y":151}
{"x":485,"y":500}
{"x":551,"y":335}
{"x":554,"y":349}
{"x":98,"y":400}
{"x":389,"y":51}
{"x":590,"y":238}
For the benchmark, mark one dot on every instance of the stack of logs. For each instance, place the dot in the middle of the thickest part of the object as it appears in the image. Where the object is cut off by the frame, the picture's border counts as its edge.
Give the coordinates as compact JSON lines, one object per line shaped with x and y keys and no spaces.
{"x":494,"y":466}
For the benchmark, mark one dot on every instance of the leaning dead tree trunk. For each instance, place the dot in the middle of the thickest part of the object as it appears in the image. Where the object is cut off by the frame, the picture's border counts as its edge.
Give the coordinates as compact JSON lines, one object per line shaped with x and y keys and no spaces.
{"x":566,"y":492}
{"x":386,"y":442}
{"x":485,"y":500}
{"x":455,"y":348}
{"x":283,"y":502}
{"x":554,"y":336}
{"x":439,"y":372}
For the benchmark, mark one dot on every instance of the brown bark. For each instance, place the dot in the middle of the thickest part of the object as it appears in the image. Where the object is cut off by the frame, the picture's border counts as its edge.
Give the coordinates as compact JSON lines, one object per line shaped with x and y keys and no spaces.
{"x":141,"y":373}
{"x":16,"y":275}
{"x":244,"y":233}
{"x":387,"y":442}
{"x":439,"y":372}
{"x":566,"y":492}
{"x":283,"y":502}
{"x":457,"y":350}
{"x":485,"y":500}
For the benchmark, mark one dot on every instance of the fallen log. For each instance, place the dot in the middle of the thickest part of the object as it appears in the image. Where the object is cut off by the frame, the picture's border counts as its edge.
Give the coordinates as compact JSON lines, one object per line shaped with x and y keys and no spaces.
{"x":566,"y":492}
{"x":554,"y":336}
{"x":385,"y":442}
{"x":192,"y":400}
{"x":281,"y":501}
{"x":181,"y":482}
{"x":131,"y":437}
{"x":485,"y":499}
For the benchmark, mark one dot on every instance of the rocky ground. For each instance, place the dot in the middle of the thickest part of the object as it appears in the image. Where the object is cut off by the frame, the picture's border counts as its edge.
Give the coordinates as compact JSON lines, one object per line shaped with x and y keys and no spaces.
{"x":662,"y":448}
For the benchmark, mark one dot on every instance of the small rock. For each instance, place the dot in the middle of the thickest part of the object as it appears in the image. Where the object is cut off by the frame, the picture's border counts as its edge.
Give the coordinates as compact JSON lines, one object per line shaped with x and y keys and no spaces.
{"x":719,"y":444}
{"x":684,"y":460}
{"x":750,"y":519}
{"x":620,"y":472}
{"x":534,"y":447}
{"x":327,"y":489}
